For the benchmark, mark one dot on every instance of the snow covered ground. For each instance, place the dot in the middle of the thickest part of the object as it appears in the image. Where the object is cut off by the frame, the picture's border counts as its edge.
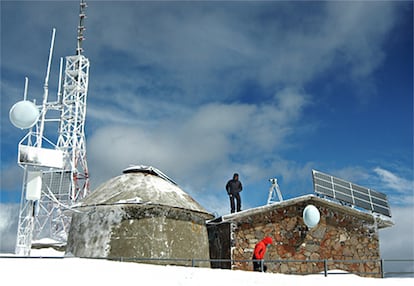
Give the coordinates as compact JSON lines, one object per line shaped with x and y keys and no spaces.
{"x":71,"y":271}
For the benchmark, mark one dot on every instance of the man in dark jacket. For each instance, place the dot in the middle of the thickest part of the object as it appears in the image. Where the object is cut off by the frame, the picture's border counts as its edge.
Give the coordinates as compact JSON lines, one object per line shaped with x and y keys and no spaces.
{"x":234,"y":187}
{"x":259,"y":253}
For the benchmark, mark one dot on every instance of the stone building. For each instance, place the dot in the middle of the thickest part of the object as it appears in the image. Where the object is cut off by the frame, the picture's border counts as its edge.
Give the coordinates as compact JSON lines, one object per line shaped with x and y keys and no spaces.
{"x":140,"y":214}
{"x":342,"y":236}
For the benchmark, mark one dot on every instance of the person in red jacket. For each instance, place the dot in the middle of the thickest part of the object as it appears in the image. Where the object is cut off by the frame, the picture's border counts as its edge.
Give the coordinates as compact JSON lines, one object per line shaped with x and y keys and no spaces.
{"x":259,"y":253}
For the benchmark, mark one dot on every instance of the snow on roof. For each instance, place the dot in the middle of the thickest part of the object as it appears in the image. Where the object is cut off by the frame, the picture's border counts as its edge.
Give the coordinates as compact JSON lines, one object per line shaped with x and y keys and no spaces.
{"x":142,"y":185}
{"x":149,"y":170}
{"x":382,"y":221}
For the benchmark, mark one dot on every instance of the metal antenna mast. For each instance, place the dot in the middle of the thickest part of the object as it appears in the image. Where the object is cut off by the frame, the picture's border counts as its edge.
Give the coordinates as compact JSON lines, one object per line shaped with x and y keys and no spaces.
{"x":55,"y":170}
{"x":72,"y":121}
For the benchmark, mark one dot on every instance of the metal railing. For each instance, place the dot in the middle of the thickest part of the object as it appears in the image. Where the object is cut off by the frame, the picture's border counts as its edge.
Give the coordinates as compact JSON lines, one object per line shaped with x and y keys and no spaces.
{"x":387,"y":267}
{"x":397,"y":267}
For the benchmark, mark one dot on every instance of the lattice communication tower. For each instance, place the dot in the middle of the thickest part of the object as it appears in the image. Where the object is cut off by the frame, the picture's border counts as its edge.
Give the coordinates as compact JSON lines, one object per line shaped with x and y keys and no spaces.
{"x":55,"y":167}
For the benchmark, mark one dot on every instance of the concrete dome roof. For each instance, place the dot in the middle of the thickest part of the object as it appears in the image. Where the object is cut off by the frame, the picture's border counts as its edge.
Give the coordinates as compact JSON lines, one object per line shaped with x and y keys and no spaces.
{"x":142,"y":185}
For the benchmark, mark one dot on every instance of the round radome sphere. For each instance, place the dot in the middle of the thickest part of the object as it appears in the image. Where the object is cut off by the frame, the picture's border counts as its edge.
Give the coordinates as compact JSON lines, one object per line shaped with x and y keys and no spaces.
{"x":24,"y":114}
{"x":311,"y":216}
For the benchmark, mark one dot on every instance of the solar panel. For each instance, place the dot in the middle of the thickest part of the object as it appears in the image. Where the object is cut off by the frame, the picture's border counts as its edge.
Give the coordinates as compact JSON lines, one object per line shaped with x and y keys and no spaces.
{"x":350,"y":193}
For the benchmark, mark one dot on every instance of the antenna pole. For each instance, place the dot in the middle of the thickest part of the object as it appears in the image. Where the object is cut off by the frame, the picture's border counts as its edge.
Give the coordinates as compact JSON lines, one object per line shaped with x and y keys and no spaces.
{"x":81,"y":27}
{"x":59,"y":93}
{"x":26,"y":85}
{"x":52,"y":44}
{"x":46,"y":91}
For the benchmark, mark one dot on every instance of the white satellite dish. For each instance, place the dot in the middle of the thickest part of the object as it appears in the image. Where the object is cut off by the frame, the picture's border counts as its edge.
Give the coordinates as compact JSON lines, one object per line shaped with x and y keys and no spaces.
{"x":311,"y":216}
{"x":24,"y":114}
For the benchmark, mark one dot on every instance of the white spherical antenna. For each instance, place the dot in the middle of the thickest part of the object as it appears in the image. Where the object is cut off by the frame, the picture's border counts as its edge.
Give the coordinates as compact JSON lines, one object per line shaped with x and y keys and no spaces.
{"x":24,"y":114}
{"x":311,"y":216}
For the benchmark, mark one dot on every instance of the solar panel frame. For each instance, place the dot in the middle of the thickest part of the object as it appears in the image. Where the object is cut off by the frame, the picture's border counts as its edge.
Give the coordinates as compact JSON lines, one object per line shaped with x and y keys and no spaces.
{"x":340,"y":182}
{"x":350,"y":193}
{"x":363,"y":204}
{"x":344,"y":198}
{"x":325,"y":191}
{"x":343,"y":190}
{"x":379,"y":195}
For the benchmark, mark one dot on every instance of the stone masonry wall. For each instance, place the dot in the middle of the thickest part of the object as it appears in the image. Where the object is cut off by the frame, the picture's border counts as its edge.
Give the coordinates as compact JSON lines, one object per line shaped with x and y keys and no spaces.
{"x":339,"y":238}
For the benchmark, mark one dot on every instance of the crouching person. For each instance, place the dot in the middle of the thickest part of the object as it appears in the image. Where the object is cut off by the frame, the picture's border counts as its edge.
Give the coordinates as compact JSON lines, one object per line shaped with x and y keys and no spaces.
{"x":259,"y":253}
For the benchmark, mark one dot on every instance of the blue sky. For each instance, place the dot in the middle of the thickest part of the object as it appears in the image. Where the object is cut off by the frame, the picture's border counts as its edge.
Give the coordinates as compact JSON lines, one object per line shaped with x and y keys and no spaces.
{"x":204,"y":89}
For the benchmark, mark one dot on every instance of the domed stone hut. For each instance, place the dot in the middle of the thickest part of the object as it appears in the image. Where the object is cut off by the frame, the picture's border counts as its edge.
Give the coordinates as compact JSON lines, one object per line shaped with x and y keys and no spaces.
{"x":141,"y":214}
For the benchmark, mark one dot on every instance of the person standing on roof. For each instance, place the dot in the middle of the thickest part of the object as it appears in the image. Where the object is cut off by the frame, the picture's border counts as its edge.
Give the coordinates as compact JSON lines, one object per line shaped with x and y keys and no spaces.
{"x":259,"y":253}
{"x":233,"y":188}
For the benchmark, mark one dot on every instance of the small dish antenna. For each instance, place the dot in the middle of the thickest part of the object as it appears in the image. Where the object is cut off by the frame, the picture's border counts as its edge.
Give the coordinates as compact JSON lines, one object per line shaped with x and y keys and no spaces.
{"x":24,"y":114}
{"x":311,"y":216}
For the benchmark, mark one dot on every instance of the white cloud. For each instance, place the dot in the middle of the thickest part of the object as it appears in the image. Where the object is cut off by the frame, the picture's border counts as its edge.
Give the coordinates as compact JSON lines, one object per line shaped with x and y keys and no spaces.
{"x":211,"y":137}
{"x":396,"y":242}
{"x":8,"y":227}
{"x":210,"y":51}
{"x":394,"y":182}
{"x":400,"y":190}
